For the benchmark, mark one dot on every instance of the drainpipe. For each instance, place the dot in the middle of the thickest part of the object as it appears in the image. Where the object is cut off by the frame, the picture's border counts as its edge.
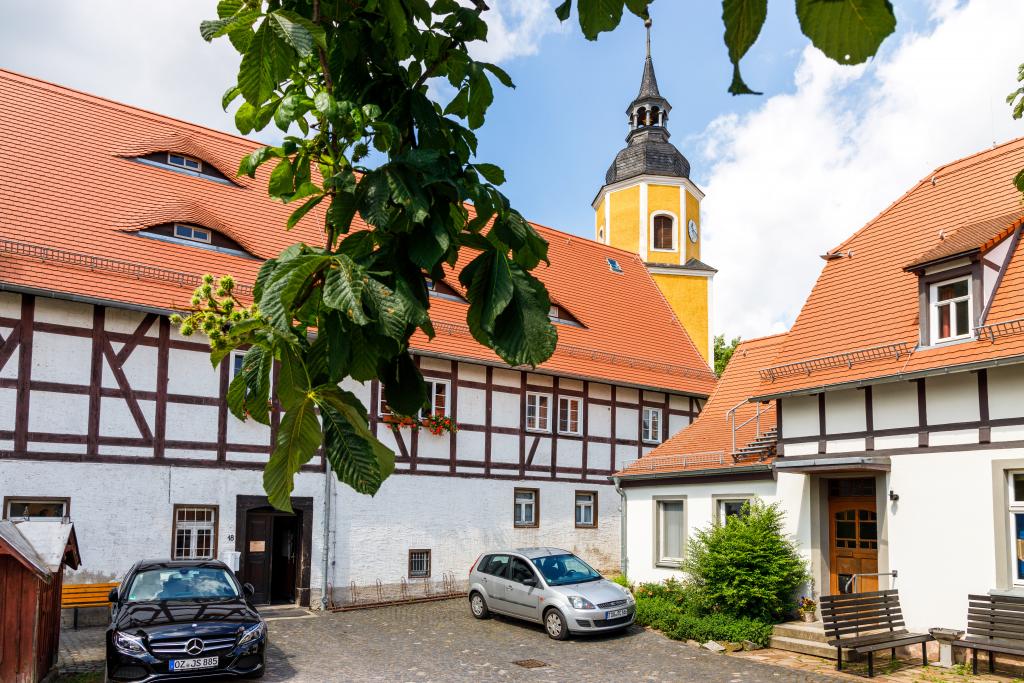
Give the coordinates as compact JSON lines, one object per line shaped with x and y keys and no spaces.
{"x":328,"y":476}
{"x":622,"y":530}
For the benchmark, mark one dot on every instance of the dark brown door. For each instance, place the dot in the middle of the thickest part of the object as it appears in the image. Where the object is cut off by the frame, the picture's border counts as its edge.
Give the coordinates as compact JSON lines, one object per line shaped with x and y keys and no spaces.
{"x":853,"y":544}
{"x":256,"y":556}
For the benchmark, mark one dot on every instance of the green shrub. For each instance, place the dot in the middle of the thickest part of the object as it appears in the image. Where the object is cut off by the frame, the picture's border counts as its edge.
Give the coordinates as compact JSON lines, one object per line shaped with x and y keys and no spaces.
{"x":676,"y":622}
{"x":746,"y":567}
{"x":622,"y":581}
{"x":670,"y":589}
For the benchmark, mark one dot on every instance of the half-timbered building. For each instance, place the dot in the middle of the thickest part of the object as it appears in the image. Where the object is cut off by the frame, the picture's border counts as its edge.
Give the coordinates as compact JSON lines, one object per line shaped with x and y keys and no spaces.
{"x":109,"y":217}
{"x":888,"y":422}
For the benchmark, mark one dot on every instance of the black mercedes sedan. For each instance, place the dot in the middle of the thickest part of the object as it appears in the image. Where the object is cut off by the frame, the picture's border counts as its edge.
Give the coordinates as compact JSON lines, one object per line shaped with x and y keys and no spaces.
{"x":174,"y":619}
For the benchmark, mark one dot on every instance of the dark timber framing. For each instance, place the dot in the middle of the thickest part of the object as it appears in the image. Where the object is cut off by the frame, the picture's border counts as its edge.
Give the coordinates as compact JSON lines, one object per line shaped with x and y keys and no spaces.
{"x":151,"y":429}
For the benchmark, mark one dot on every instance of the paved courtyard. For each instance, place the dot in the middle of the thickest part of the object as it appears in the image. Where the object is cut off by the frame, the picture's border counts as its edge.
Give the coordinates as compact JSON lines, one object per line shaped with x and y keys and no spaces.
{"x":441,"y":642}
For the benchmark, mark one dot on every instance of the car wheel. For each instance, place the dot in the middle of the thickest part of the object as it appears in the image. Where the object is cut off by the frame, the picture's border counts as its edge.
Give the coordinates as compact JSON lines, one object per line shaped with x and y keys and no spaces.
{"x":478,"y":606}
{"x":554,"y":624}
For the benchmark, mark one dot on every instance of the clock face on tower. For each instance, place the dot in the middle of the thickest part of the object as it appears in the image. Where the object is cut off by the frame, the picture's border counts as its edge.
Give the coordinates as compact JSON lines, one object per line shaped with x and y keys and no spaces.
{"x":692,"y":230}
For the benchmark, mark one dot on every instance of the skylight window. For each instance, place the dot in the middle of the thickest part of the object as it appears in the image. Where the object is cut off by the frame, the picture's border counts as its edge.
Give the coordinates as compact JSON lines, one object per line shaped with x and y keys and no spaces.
{"x":190,"y":232}
{"x":182,"y":161}
{"x":614,"y":265}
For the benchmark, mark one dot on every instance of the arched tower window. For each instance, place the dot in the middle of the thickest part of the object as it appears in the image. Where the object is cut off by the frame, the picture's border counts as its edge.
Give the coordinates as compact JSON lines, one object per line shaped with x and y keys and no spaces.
{"x":663,"y":233}
{"x":655,"y":116}
{"x":641,"y":117}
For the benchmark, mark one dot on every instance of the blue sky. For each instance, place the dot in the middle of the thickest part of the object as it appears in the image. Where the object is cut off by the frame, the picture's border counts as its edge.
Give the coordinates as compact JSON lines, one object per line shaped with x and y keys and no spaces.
{"x":788,"y":175}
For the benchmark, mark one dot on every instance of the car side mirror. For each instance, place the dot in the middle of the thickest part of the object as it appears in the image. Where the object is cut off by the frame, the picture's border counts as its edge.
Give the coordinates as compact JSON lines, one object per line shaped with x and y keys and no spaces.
{"x":530,"y":581}
{"x":112,"y":595}
{"x":248,"y":589}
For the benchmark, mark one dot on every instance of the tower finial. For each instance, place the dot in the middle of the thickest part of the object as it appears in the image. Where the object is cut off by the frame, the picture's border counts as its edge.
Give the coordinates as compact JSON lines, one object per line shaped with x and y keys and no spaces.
{"x":647,"y":25}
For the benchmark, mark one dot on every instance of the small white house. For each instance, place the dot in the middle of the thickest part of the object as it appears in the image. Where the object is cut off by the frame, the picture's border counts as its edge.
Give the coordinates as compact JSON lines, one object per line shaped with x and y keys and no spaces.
{"x":891,"y":414}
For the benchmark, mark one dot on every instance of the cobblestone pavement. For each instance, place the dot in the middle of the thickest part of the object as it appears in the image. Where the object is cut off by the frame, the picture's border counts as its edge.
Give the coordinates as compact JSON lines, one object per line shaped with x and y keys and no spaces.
{"x":441,"y":641}
{"x":81,"y":651}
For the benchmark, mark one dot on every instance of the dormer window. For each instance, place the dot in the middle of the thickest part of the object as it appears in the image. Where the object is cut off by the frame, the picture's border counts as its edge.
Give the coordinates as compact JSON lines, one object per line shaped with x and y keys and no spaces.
{"x":182,"y":161}
{"x":191,"y":232}
{"x":560,"y":316}
{"x":442,"y":290}
{"x":950,"y":310}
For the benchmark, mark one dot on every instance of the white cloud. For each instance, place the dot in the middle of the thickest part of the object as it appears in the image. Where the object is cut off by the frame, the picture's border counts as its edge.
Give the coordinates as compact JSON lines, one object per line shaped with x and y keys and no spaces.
{"x":802,"y":172}
{"x":515,"y":29}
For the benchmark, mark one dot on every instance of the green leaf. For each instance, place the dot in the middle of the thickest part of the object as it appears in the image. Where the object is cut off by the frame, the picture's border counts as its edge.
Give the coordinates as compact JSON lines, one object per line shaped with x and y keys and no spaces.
{"x":563,"y":10}
{"x":298,"y":438}
{"x":230,"y":95}
{"x":743,"y":21}
{"x":296,"y":30}
{"x":281,"y":179}
{"x":293,"y":384}
{"x":847,"y":31}
{"x":598,"y":15}
{"x":253,"y":160}
{"x":493,"y":174}
{"x":488,"y":283}
{"x":403,"y":385}
{"x":300,"y":212}
{"x":326,"y":104}
{"x":1018,"y":181}
{"x":523,"y":332}
{"x":286,"y":282}
{"x":264,"y":65}
{"x":356,"y":456}
{"x":343,"y":289}
{"x":249,"y":392}
{"x":500,"y":74}
{"x":245,"y":118}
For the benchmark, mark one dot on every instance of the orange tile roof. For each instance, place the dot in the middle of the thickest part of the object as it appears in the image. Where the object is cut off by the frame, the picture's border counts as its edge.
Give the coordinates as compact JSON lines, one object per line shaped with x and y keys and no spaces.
{"x":707,"y":444}
{"x":68,"y":183}
{"x":970,"y":239}
{"x":867,"y":300}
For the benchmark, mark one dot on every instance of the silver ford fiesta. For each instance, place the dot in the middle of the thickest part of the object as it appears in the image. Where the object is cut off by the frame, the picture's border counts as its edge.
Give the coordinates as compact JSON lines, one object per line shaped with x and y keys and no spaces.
{"x":548,"y":586}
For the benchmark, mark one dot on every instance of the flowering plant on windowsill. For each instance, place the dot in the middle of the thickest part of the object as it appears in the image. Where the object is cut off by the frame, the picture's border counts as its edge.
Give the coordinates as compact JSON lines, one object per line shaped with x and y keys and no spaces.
{"x":435,"y":424}
{"x":807,"y":604}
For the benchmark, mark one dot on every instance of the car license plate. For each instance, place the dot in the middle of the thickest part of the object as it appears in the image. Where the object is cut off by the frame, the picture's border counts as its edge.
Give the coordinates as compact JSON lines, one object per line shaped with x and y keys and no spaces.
{"x":616,"y":613}
{"x":191,"y":664}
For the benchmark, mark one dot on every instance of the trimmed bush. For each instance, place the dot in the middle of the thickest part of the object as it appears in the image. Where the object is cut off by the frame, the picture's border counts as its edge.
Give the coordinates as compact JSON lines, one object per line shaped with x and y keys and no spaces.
{"x":676,"y":622}
{"x":746,"y":567}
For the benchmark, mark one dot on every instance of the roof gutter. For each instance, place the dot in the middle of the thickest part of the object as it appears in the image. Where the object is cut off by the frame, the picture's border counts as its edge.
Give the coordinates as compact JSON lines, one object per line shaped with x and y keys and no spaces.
{"x":78,"y":298}
{"x":898,"y":377}
{"x":688,"y":474}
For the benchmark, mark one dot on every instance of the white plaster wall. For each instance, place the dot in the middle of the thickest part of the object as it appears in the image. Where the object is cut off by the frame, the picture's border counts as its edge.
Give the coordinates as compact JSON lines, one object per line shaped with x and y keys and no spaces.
{"x":952,"y":398}
{"x":844,"y":412}
{"x":894,"y":405}
{"x":458,"y":519}
{"x":800,"y":417}
{"x":792,"y":491}
{"x":941,"y":536}
{"x":1006,"y":392}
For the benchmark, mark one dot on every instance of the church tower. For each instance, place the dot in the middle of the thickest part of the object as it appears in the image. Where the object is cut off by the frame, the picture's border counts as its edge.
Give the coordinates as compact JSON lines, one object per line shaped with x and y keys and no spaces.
{"x":649,"y":206}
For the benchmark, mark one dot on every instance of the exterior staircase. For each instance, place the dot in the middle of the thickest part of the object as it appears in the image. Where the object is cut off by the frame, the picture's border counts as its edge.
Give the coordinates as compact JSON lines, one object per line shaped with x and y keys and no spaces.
{"x":761,"y":448}
{"x":806,"y":638}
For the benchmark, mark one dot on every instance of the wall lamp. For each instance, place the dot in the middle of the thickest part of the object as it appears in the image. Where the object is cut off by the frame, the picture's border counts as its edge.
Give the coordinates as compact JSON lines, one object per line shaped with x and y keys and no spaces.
{"x":893,"y":496}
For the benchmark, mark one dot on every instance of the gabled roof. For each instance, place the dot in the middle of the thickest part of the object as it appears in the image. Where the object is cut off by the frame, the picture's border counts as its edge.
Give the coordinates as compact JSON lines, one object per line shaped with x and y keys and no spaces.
{"x":42,"y":546}
{"x":72,"y":233}
{"x":706,"y":445}
{"x":860,"y":322}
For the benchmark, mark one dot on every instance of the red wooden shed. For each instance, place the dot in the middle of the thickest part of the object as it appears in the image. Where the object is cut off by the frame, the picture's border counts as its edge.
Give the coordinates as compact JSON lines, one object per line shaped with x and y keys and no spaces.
{"x":33,"y":555}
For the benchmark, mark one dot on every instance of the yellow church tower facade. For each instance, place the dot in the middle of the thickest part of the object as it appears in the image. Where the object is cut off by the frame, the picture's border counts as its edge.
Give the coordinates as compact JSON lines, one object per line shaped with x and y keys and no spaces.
{"x":648,"y":205}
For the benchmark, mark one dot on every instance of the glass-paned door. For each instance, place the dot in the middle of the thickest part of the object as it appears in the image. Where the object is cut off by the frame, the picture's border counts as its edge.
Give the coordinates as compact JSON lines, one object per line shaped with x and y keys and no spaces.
{"x":853,"y":545}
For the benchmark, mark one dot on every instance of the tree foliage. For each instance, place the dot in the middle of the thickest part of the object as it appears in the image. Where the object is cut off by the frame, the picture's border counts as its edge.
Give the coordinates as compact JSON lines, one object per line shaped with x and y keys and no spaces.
{"x":747,"y":567}
{"x":723,"y":352}
{"x":340,"y":79}
{"x":847,"y":31}
{"x":1016,"y":102}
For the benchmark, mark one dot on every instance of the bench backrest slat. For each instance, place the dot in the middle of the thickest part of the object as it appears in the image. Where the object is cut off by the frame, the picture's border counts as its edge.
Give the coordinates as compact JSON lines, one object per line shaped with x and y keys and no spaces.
{"x":854,"y":614}
{"x":86,"y":594}
{"x":995,"y":617}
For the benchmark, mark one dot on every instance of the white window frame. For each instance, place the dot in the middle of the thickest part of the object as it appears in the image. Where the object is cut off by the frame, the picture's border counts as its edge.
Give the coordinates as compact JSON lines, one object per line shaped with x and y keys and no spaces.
{"x":191,"y":236}
{"x":593,"y":509}
{"x":534,"y":505}
{"x":64,"y":502}
{"x":194,"y":526}
{"x":1013,"y":507}
{"x":675,"y":231}
{"x":720,"y":505}
{"x":563,"y":406}
{"x":649,"y":435}
{"x":383,"y":410}
{"x":432,"y":385}
{"x":237,"y":360}
{"x":660,"y":559}
{"x":536,"y":424}
{"x":933,"y":309}
{"x":197,"y":164}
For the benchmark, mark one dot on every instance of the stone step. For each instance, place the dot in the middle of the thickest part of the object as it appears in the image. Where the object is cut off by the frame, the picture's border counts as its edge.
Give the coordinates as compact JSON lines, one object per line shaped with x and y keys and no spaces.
{"x":804,"y":647}
{"x":803,"y":630}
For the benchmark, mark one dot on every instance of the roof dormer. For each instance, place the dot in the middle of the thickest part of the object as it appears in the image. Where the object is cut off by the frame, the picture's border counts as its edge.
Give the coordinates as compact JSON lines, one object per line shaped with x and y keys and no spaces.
{"x":184,"y":163}
{"x":194,"y":235}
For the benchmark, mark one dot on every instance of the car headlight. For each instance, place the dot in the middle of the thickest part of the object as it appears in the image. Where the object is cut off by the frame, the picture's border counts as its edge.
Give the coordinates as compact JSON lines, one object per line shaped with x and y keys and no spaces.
{"x":253,"y":633}
{"x":128,"y":644}
{"x":580,"y":603}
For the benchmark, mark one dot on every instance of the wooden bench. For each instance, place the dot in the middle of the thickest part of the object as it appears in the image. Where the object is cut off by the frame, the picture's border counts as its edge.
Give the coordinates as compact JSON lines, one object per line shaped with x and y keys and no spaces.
{"x":995,"y":624}
{"x":866,"y":623}
{"x":74,"y":596}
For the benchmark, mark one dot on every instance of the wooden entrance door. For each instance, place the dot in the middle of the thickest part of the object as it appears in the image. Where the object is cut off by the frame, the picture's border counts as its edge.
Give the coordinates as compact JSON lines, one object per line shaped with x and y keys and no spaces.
{"x":256,"y":555}
{"x":853,"y":543}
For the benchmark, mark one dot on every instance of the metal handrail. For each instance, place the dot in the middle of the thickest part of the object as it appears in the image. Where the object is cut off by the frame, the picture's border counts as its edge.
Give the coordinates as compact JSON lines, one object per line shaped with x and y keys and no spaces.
{"x":731,"y":416}
{"x":853,"y":578}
